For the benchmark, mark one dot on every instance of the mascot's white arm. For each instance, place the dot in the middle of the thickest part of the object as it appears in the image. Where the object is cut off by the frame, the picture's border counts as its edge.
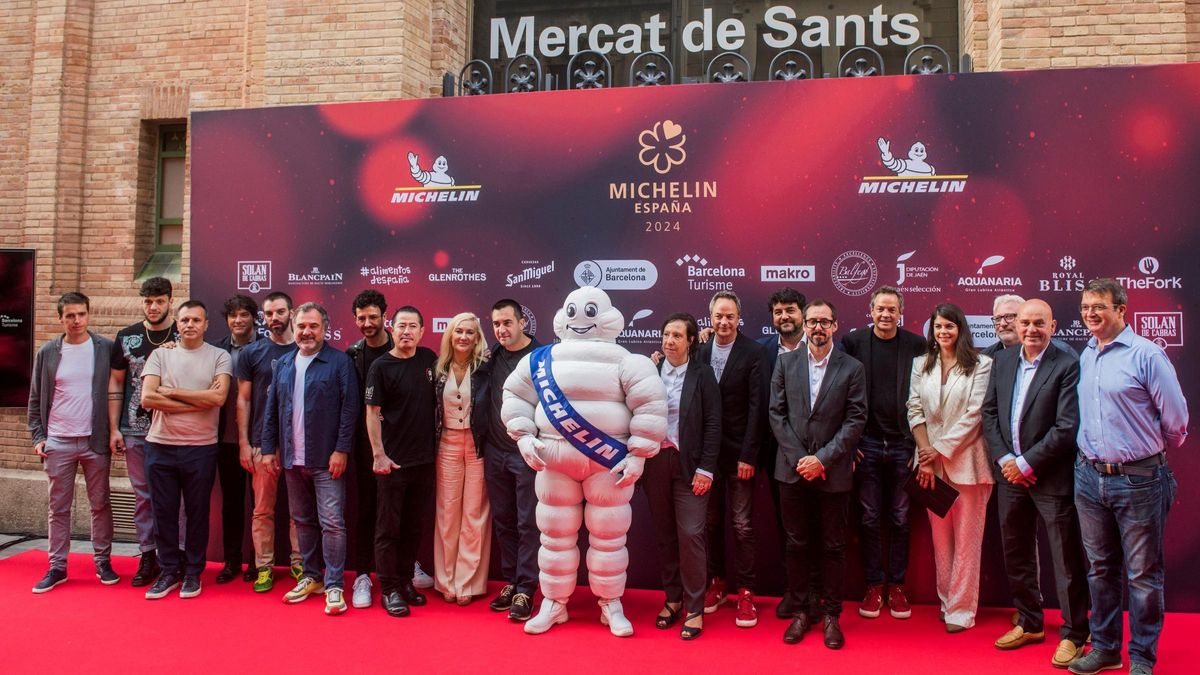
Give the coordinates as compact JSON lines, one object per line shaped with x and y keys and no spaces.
{"x":646,"y":397}
{"x":517,"y":410}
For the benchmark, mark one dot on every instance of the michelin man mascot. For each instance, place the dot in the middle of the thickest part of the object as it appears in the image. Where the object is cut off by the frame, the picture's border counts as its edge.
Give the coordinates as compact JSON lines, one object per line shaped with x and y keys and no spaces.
{"x":586,"y":414}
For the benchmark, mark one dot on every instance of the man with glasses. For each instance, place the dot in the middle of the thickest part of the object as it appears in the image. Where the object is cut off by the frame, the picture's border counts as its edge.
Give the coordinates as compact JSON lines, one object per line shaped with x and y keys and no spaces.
{"x":1131,"y":409}
{"x":818,"y":409}
{"x":886,"y":449}
{"x":1004,"y":321}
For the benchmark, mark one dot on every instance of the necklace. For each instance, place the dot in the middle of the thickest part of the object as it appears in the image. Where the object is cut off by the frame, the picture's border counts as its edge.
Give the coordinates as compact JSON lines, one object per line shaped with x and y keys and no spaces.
{"x":146,"y":329}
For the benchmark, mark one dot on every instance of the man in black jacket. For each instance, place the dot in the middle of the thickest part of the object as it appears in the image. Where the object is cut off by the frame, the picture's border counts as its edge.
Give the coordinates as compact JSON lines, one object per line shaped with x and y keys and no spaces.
{"x":886,"y":450}
{"x":818,"y":409}
{"x":1030,"y":419}
{"x":738,"y":363}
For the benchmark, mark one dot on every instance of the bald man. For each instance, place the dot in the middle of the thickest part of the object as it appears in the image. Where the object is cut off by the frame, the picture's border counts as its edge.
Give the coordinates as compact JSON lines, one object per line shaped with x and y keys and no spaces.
{"x":1030,"y":419}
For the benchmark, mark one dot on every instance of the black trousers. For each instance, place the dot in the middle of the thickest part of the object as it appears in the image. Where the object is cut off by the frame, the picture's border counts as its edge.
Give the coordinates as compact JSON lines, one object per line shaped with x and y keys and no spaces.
{"x":363,"y":500}
{"x":186,"y":471}
{"x":403,"y":498}
{"x":1019,"y":513}
{"x":679,"y":521}
{"x":233,"y":502}
{"x":816,"y":527}
{"x":514,"y":516}
{"x":739,"y":495}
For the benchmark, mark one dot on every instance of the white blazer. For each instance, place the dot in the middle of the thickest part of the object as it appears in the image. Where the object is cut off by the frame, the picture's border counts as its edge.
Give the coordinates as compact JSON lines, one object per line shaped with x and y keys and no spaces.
{"x":951,"y":415}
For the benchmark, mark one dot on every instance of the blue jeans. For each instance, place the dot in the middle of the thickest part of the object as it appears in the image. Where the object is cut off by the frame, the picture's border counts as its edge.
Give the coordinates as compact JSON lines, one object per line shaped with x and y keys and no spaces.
{"x":317,"y":502}
{"x":881,"y":474}
{"x":1122,"y":519}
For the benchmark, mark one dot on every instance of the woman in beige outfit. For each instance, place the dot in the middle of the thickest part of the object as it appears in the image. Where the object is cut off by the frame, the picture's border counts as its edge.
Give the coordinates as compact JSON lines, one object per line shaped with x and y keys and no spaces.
{"x":464,"y":524}
{"x":944,"y":403}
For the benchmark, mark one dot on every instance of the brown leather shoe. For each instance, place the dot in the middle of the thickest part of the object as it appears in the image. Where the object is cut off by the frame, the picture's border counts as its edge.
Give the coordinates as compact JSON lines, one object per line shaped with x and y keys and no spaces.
{"x":1065,"y":654}
{"x":1019,"y":637}
{"x":954,"y":628}
{"x":796,"y":629}
{"x":833,"y":633}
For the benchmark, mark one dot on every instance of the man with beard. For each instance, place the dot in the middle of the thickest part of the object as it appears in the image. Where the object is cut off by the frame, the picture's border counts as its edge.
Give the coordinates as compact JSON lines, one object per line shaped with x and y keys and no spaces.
{"x":253,"y":372}
{"x":818,"y":408}
{"x":1004,"y":321}
{"x":886,"y":450}
{"x":128,"y":421}
{"x":308,"y":431}
{"x":239,"y":311}
{"x":787,"y":316}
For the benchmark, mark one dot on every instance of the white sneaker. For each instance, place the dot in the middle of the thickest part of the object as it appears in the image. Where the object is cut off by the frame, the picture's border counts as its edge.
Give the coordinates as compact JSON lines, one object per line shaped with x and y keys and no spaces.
{"x":613,"y":616}
{"x":420,"y":578}
{"x":361,"y":598}
{"x":334,"y":602}
{"x":549,"y":615}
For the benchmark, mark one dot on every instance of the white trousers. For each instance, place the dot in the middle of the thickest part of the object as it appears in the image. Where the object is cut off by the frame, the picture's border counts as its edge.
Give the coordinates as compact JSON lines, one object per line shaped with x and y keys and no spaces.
{"x":957,"y":546}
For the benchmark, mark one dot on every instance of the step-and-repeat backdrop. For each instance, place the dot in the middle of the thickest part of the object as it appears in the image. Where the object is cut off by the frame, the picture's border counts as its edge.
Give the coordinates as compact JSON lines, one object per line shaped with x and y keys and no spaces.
{"x":953,"y":188}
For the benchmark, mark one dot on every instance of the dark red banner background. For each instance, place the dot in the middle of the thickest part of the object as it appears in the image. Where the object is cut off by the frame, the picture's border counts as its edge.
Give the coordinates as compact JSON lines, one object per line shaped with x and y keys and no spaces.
{"x":1031,"y":182}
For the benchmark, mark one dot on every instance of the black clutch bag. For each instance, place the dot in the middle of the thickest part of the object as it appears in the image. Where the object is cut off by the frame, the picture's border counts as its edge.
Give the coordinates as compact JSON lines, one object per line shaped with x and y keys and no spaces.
{"x":938,"y":500}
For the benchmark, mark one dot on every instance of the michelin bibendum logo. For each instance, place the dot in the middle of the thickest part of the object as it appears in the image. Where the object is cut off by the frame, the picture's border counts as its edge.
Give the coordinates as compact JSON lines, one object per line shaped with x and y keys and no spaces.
{"x":254,"y":275}
{"x":436,"y":184}
{"x":617,"y":275}
{"x":913,"y":174}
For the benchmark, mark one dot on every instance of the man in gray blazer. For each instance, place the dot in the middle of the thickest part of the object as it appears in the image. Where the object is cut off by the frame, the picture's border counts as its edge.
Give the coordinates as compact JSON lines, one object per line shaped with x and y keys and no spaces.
{"x":818,"y":409}
{"x":1030,"y":420}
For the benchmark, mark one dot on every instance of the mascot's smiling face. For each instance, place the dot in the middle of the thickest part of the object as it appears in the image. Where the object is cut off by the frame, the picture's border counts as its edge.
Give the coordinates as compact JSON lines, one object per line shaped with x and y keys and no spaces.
{"x":588,"y":314}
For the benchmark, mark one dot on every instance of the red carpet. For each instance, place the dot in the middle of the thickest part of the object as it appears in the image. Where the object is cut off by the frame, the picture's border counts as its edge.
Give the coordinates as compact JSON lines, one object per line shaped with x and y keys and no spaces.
{"x":84,"y":626}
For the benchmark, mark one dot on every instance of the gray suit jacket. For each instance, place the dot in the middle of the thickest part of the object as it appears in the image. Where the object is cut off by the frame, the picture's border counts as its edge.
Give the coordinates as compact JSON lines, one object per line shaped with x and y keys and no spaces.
{"x":830,"y":429}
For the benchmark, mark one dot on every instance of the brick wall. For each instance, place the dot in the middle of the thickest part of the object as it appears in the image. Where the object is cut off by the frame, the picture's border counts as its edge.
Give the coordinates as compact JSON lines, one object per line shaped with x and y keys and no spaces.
{"x":1024,"y":34}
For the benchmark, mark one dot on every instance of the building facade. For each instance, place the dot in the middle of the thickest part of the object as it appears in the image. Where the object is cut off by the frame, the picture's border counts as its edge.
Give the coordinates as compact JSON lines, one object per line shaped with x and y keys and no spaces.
{"x":95,"y":97}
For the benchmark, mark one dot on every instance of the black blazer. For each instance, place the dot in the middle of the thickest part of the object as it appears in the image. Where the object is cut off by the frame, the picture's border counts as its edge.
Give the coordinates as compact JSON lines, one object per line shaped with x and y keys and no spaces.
{"x":742,"y":402}
{"x":858,"y":344}
{"x":699,"y":419}
{"x":1049,"y":418}
{"x":830,"y":430}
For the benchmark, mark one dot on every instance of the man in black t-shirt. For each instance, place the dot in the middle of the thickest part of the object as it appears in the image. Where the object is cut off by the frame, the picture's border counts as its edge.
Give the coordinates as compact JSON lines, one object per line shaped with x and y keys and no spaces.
{"x":128,"y":421}
{"x":402,"y":427}
{"x":369,"y":308}
{"x":886,"y":449}
{"x":509,"y":479}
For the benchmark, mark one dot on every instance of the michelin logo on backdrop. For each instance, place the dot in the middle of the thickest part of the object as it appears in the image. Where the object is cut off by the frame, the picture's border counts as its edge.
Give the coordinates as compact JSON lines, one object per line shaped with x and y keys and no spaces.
{"x":912,"y":174}
{"x":254,"y":275}
{"x":435,"y":184}
{"x":661,"y":148}
{"x":617,"y":275}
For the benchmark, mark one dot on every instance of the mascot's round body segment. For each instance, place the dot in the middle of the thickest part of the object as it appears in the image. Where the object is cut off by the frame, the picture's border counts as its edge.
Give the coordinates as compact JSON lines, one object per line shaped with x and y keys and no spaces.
{"x":598,"y":397}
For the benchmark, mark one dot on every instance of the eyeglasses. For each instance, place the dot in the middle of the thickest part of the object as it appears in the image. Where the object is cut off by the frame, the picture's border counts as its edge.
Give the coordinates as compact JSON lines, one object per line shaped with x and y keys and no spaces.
{"x":823,"y":323}
{"x":1003,"y":318}
{"x":1087,"y":309}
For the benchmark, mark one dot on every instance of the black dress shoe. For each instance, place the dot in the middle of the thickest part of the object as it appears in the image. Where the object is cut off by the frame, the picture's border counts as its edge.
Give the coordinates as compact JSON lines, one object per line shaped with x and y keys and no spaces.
{"x":786,"y":608}
{"x":250,"y":574}
{"x":228,"y":573}
{"x":394,"y":604}
{"x":147,"y":570}
{"x":796,"y":629}
{"x":833,"y":633}
{"x":411,"y":595}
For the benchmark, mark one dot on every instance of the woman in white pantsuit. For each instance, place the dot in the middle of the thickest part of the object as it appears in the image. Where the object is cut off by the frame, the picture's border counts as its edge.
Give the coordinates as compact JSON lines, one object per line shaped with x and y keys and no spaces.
{"x":463,"y":522}
{"x":944,"y":402}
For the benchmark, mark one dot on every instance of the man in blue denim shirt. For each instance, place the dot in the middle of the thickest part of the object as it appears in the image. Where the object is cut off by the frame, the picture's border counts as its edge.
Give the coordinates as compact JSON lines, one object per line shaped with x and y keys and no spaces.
{"x":1131,"y":409}
{"x":312,"y":408}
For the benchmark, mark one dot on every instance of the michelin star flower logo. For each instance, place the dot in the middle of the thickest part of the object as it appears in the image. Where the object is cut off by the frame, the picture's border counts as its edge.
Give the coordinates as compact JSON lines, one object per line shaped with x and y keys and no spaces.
{"x":662,"y":146}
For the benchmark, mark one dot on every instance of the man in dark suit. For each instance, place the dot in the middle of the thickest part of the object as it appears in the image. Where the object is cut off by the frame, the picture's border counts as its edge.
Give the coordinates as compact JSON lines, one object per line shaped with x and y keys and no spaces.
{"x":886,"y":449}
{"x":738,"y":364}
{"x":787,"y":316}
{"x":1030,"y":420}
{"x":818,"y":409}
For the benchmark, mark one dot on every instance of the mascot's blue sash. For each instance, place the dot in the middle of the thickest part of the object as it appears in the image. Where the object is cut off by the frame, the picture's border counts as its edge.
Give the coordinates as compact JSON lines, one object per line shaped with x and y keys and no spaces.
{"x":581,"y":434}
